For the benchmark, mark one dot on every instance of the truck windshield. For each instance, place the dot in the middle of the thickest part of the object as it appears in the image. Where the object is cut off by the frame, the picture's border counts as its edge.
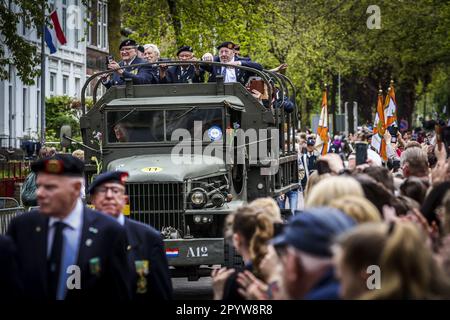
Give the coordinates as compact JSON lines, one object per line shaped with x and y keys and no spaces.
{"x":159,"y":125}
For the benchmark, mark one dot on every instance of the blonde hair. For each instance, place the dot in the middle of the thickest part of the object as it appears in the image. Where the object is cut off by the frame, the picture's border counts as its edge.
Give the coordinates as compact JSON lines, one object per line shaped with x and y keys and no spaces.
{"x":269,"y":206}
{"x":256,"y":228}
{"x":332,"y":188}
{"x":409,"y":269}
{"x":313,"y":179}
{"x":78,"y":154}
{"x":358,"y":208}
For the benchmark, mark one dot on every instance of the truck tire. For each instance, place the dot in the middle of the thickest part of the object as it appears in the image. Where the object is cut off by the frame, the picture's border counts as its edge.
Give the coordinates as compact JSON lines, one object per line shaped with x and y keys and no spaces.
{"x":231,"y":258}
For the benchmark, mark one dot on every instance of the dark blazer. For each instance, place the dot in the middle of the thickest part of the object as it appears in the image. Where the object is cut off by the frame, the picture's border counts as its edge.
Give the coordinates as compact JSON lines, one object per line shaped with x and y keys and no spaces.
{"x":242,"y":76}
{"x":10,"y":282}
{"x":174,"y":75}
{"x":140,"y":75}
{"x":145,"y":244}
{"x":108,"y":243}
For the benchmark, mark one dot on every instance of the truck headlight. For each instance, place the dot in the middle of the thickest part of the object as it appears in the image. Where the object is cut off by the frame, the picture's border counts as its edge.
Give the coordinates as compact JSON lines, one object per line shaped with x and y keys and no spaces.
{"x":218,"y":200}
{"x":198,"y":198}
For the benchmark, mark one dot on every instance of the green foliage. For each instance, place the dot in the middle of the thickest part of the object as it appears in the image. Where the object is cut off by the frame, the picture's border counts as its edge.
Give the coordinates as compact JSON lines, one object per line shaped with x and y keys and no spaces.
{"x":61,"y":110}
{"x":18,"y":51}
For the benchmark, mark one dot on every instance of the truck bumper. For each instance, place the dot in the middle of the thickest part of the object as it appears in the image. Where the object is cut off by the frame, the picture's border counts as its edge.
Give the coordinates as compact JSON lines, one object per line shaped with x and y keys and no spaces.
{"x":194,"y":252}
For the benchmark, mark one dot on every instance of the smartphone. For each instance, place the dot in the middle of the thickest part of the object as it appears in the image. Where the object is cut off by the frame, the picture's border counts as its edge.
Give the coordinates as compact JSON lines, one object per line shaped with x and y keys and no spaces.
{"x":393,"y":131}
{"x":361,"y":152}
{"x":322,"y":167}
{"x":108,"y":59}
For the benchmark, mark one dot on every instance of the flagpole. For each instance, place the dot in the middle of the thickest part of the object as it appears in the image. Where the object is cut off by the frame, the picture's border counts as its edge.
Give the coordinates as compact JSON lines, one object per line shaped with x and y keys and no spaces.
{"x":43,"y":76}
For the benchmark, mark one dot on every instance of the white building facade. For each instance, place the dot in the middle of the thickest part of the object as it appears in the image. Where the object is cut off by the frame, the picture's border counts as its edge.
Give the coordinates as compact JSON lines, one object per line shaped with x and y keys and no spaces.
{"x":65,"y":74}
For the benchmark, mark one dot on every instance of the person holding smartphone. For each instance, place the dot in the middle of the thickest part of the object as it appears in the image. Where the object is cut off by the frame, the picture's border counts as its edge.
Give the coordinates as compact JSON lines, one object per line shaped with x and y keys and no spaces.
{"x":139,"y":75}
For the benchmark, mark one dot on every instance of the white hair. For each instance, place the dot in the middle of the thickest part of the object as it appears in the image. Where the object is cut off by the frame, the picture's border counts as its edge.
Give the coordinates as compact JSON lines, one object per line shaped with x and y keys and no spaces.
{"x":154,"y":47}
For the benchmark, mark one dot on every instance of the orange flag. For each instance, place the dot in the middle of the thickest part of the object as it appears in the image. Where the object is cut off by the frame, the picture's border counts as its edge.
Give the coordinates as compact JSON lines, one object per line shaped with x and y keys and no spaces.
{"x":322,"y":129}
{"x":379,"y":128}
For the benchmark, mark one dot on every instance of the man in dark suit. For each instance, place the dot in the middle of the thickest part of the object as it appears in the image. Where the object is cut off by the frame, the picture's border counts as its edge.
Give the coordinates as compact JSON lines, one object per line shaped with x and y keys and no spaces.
{"x":139,"y":75}
{"x":66,"y":250}
{"x":308,"y":162}
{"x":146,"y":248}
{"x":183,"y":73}
{"x":10,"y":282}
{"x":230,"y":74}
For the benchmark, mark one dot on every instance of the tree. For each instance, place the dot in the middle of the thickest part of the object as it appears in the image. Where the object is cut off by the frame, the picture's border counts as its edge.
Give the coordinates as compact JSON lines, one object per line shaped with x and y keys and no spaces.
{"x":14,"y":49}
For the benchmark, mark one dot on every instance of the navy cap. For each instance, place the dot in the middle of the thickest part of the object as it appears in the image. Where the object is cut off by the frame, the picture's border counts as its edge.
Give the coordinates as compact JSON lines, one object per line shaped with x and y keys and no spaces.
{"x":226,"y":44}
{"x":184,"y":48}
{"x":127,"y":42}
{"x":313,"y":230}
{"x":112,"y":176}
{"x":310,"y":142}
{"x":59,"y":164}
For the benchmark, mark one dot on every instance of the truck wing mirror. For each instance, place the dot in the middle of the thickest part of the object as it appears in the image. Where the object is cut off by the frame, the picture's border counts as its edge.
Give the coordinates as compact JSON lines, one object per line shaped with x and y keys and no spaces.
{"x":65,"y":135}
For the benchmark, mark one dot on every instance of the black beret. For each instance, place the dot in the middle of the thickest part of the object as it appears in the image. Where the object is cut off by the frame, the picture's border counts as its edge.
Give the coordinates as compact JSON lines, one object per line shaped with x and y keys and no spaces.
{"x":59,"y":164}
{"x":112,"y":176}
{"x":127,"y":42}
{"x":227,"y":44}
{"x":184,"y":48}
{"x":237,"y":47}
{"x":141,"y":49}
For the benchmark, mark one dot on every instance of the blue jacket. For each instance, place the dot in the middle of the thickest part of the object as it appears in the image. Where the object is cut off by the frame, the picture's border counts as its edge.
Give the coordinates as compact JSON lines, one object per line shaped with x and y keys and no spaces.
{"x":139,"y":75}
{"x":242,"y":76}
{"x":10,"y":282}
{"x":108,"y":245}
{"x":145,"y":244}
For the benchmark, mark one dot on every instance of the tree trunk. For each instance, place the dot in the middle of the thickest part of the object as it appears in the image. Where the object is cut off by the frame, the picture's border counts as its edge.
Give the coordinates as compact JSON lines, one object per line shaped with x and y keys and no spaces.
{"x":114,"y":27}
{"x":406,"y":98}
{"x":176,"y":22}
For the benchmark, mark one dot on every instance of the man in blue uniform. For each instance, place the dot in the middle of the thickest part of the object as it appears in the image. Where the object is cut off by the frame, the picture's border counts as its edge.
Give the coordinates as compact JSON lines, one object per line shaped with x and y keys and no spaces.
{"x":183,"y":73}
{"x":146,"y":248}
{"x":139,"y":75}
{"x":10,"y":282}
{"x":231,"y":74}
{"x":66,"y":250}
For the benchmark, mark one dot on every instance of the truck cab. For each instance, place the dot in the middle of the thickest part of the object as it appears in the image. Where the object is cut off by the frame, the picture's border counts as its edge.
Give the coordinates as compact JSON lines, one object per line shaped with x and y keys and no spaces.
{"x":194,"y":153}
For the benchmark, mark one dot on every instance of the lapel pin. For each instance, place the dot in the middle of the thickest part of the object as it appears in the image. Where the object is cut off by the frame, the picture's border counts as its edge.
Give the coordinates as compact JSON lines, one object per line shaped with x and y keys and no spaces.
{"x":38,"y":229}
{"x":88,"y":242}
{"x":129,"y":248}
{"x":93,"y":230}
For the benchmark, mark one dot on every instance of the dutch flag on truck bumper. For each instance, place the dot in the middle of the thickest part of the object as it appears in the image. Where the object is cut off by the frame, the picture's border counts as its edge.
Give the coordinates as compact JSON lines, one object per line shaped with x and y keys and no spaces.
{"x":172,"y":253}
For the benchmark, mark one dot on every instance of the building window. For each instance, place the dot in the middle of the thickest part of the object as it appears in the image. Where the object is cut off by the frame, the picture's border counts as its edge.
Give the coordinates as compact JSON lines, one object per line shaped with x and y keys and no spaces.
{"x":77,"y":87}
{"x":102,"y":24}
{"x":52,"y":83}
{"x":89,"y":20}
{"x":38,"y":111}
{"x":25,"y":112}
{"x":64,"y":18}
{"x":65,"y":84}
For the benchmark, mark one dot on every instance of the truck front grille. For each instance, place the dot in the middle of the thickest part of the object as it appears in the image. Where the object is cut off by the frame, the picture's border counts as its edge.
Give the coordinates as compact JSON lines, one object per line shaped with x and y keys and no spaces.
{"x":157,"y":204}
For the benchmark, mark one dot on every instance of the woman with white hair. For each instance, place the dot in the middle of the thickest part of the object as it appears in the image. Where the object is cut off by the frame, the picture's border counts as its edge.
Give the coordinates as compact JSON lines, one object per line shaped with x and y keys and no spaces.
{"x":151,"y":52}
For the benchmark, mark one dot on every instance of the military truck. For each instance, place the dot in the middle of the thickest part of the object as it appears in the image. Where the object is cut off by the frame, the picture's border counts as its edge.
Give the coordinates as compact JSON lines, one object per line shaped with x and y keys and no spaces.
{"x":181,"y":144}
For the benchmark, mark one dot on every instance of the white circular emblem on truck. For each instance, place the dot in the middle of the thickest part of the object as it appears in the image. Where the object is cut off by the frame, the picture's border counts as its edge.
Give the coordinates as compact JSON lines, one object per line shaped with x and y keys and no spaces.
{"x":215,"y":133}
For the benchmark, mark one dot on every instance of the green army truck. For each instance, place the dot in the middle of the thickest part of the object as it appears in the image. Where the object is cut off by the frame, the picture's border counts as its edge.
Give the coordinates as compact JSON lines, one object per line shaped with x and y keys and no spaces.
{"x":194,"y":153}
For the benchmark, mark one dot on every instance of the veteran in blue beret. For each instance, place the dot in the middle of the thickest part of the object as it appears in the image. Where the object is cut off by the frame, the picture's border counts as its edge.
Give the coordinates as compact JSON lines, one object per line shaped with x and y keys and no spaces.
{"x":230,"y":74}
{"x":138,"y":74}
{"x":305,"y":246}
{"x":189,"y":73}
{"x":146,"y":252}
{"x":64,"y":249}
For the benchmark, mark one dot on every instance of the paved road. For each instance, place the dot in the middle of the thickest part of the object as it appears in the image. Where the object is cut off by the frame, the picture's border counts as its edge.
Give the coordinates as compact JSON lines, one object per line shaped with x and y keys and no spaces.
{"x":192,"y":290}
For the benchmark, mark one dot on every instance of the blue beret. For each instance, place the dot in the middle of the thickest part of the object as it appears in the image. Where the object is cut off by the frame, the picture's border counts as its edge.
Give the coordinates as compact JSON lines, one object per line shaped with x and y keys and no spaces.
{"x":59,"y":164}
{"x":184,"y":48}
{"x":313,"y":230}
{"x":112,"y":176}
{"x":226,"y":44}
{"x":127,"y":42}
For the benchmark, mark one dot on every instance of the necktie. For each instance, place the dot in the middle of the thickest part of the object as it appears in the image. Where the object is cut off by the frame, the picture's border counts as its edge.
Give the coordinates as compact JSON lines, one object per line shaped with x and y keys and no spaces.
{"x":54,"y":261}
{"x":224,"y":72}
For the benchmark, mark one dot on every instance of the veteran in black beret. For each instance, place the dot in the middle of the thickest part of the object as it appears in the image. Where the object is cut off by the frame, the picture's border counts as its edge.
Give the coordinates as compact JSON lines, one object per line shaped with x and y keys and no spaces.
{"x":129,"y":54}
{"x":64,"y":249}
{"x":189,"y":73}
{"x":230,"y":74}
{"x":146,"y":249}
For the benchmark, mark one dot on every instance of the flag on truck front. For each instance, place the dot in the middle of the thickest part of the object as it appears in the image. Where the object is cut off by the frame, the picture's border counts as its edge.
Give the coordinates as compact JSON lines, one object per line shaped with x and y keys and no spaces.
{"x":55,"y":34}
{"x":322,"y":129}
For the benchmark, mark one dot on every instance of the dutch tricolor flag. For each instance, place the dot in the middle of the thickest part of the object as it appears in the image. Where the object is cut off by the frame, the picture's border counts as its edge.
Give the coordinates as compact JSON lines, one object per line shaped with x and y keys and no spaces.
{"x":55,"y":34}
{"x":172,"y":252}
